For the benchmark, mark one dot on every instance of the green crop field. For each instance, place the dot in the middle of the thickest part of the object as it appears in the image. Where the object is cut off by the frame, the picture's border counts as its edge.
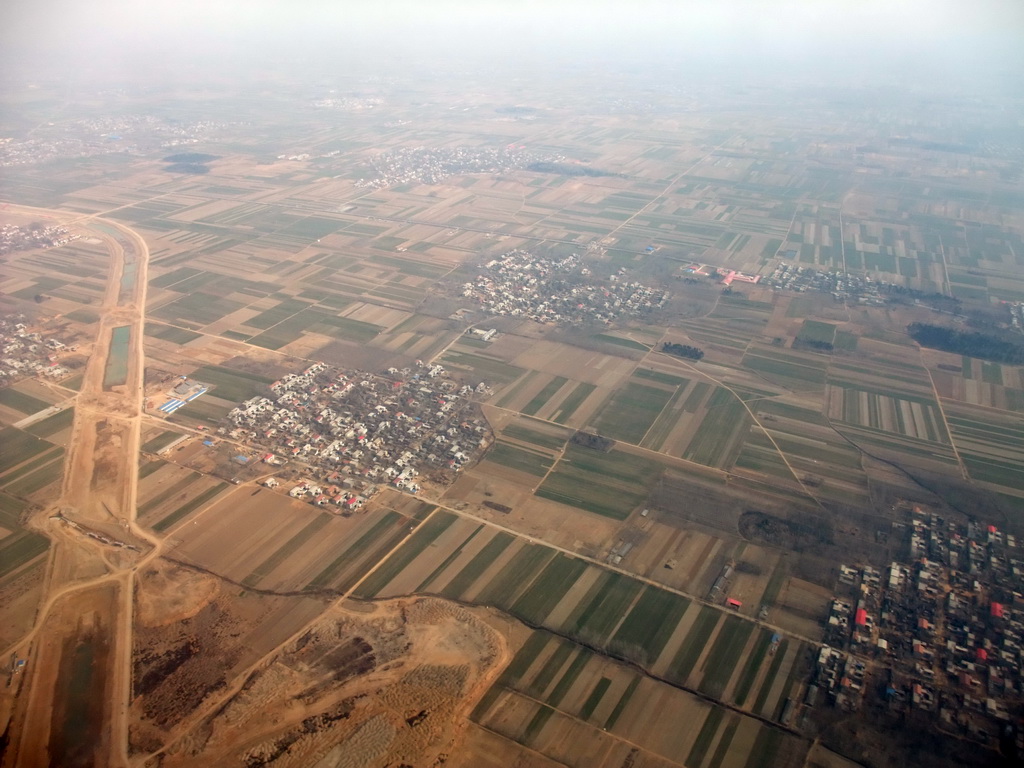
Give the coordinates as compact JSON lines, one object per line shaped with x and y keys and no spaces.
{"x":815,"y":331}
{"x":289,"y":548}
{"x":31,"y":466}
{"x":541,"y":398}
{"x":594,"y":621}
{"x":51,"y":425}
{"x":188,"y":507}
{"x":168,"y":493}
{"x":514,"y":457}
{"x":769,"y":678}
{"x":800,"y":373}
{"x":170,"y":333}
{"x":18,"y":549}
{"x":725,"y":653}
{"x":196,"y":310}
{"x":161,"y":441}
{"x":10,"y":511}
{"x":659,"y":377}
{"x":543,"y":677}
{"x":465,"y":578}
{"x":594,"y":699}
{"x":494,"y":372}
{"x":19,"y":401}
{"x":623,"y":702}
{"x":693,"y":645}
{"x":550,"y":438}
{"x":725,"y":420}
{"x":440,"y":567}
{"x":631,"y":411}
{"x":609,"y":484}
{"x":19,"y":446}
{"x":753,"y":664}
{"x":232,"y":384}
{"x":515,"y":576}
{"x":549,"y":587}
{"x":573,"y":401}
{"x":649,"y":625}
{"x":29,"y":483}
{"x":388,"y":522}
{"x":425,"y":535}
{"x":621,"y":342}
{"x":707,"y":733}
{"x":569,"y":678}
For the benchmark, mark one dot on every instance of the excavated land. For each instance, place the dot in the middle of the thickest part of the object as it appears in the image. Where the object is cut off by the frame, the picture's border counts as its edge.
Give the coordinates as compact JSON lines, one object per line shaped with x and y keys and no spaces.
{"x":387,"y":683}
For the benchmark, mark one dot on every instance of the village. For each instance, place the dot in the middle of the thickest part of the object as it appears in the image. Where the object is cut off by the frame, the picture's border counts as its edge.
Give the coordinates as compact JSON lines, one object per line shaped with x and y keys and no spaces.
{"x":91,"y":137}
{"x":359,"y":430}
{"x":25,"y":353}
{"x":941,"y":634}
{"x":15,"y":238}
{"x":557,"y":290}
{"x":432,"y":166}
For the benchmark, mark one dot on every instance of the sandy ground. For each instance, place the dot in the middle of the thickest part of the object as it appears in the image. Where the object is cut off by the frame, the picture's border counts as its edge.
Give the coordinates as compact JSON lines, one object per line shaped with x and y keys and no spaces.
{"x":378,"y":684}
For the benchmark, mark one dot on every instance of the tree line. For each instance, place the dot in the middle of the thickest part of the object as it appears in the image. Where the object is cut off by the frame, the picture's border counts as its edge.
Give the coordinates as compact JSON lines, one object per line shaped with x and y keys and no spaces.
{"x":682,"y":350}
{"x":982,"y":345}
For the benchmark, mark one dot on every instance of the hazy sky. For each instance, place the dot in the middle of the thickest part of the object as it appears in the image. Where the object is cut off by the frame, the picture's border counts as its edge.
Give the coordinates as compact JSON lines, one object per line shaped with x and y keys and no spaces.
{"x":946,"y":37}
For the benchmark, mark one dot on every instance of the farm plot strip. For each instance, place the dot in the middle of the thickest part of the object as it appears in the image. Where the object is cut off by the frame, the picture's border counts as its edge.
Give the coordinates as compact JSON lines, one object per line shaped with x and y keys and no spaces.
{"x":189,"y":507}
{"x":289,"y":548}
{"x":389,"y":520}
{"x":425,"y":535}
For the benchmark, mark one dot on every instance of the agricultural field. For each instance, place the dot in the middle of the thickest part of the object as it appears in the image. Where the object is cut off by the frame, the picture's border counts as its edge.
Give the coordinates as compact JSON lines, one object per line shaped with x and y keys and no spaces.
{"x":610,"y":484}
{"x":289,"y":545}
{"x":991,"y":446}
{"x":557,"y":695}
{"x":674,"y":637}
{"x":598,"y":567}
{"x":18,"y":547}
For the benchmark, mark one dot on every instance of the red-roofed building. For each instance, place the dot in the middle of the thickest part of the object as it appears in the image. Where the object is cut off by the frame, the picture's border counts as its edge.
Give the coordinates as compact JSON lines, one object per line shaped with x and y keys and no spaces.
{"x":997,"y":610}
{"x":733,"y":603}
{"x":861,"y":618}
{"x":981,"y":654}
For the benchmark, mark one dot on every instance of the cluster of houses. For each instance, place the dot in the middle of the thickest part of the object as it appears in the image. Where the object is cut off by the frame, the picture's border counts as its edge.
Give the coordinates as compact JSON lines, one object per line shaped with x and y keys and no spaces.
{"x":15,"y":238}
{"x":557,"y":290}
{"x":90,"y":137}
{"x":945,"y":629}
{"x":426,"y":165}
{"x":1017,"y":315}
{"x":348,"y":102}
{"x":25,"y":353}
{"x":365,"y":428}
{"x":843,"y":286}
{"x":336,"y":491}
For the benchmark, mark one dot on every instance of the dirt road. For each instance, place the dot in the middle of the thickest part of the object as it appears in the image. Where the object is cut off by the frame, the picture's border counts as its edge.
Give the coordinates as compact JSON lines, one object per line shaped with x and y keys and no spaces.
{"x":87,"y":616}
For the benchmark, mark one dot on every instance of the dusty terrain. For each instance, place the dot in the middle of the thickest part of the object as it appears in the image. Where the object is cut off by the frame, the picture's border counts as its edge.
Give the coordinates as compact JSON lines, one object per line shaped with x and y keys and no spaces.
{"x":367,"y":684}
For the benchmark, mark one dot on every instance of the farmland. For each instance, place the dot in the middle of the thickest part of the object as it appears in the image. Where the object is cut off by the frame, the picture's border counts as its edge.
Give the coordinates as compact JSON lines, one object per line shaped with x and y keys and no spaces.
{"x":555,"y":694}
{"x":617,"y":495}
{"x":675,"y":638}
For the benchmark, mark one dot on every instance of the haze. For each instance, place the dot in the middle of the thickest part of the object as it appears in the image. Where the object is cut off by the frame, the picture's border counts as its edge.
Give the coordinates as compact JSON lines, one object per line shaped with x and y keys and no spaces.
{"x":937,"y":42}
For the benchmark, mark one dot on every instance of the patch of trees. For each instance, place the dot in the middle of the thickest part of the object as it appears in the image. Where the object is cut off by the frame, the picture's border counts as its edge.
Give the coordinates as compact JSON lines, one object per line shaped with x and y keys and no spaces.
{"x":939,"y":301}
{"x":594,"y":442}
{"x":934,"y":146}
{"x":803,"y":533}
{"x":984,"y":345}
{"x":190,"y":157}
{"x":566,"y":169}
{"x":682,"y":350}
{"x":187,"y":168}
